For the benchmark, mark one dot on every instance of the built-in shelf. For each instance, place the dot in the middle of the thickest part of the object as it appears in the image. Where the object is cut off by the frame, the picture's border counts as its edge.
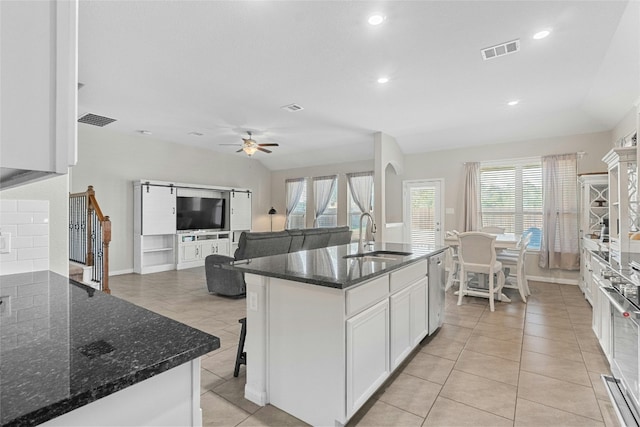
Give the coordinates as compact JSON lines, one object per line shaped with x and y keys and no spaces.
{"x":157,"y":250}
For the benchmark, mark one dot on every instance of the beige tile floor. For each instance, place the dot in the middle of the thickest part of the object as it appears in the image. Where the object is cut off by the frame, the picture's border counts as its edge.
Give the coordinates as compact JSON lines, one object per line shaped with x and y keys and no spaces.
{"x":534,"y":364}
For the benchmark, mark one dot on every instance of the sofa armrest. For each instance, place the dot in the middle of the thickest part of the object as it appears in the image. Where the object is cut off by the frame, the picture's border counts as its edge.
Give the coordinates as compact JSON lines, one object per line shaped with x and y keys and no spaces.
{"x":223,"y":281}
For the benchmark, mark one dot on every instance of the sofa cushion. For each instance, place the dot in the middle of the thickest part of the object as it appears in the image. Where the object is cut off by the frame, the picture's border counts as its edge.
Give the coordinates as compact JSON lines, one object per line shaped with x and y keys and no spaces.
{"x":315,"y":238}
{"x":339,"y":236}
{"x":255,"y":245}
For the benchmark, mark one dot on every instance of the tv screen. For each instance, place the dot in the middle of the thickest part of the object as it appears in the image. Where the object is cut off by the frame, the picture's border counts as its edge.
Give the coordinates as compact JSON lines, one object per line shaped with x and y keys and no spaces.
{"x":199,"y":213}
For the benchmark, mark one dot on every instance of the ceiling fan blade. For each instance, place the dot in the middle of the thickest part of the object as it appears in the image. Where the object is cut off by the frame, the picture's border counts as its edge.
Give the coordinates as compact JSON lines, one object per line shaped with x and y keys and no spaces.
{"x":263,"y":149}
{"x":269,"y":145}
{"x":240,"y":150}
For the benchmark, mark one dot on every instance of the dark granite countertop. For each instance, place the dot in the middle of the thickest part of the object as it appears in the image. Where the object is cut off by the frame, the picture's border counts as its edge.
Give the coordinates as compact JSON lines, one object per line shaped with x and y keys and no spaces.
{"x":329,"y":267}
{"x":64,"y":345}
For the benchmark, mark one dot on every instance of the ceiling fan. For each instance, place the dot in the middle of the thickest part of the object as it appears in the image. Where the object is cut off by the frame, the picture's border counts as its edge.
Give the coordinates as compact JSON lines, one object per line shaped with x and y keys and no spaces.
{"x":250,"y":146}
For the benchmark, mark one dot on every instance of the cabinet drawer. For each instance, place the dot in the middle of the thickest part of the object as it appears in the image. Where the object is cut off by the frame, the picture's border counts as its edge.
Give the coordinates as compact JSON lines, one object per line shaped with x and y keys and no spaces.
{"x":367,"y":294}
{"x":408,"y":275}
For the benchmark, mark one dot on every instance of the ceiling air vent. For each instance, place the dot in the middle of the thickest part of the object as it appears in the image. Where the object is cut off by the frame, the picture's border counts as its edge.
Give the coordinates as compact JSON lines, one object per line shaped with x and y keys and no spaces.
{"x":292,"y":107}
{"x":95,"y":120}
{"x":500,"y":49}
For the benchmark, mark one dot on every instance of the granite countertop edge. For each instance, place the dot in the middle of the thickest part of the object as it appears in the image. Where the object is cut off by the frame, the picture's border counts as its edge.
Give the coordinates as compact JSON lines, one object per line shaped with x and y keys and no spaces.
{"x":93,"y":394}
{"x":245,"y":267}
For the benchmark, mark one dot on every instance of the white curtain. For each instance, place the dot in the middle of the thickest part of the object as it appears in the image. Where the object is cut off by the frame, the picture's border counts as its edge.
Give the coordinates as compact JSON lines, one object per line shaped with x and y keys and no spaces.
{"x":559,"y":246}
{"x":294,"y":188}
{"x":471,"y":210}
{"x":323,"y":187}
{"x":361,"y":186}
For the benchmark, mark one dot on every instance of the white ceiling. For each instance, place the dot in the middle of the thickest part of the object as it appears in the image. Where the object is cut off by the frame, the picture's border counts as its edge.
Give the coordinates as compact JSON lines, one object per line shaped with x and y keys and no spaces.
{"x":222,"y":68}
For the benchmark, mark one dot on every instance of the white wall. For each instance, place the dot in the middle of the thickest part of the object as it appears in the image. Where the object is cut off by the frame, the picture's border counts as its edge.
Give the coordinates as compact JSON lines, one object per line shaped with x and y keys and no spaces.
{"x":341,"y":169}
{"x":55,"y":191}
{"x":627,"y":125}
{"x":111,"y":161}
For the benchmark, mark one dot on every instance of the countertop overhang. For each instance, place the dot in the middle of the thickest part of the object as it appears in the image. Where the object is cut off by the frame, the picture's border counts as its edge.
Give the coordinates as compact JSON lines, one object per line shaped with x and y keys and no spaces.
{"x":65,"y":345}
{"x":331,"y":266}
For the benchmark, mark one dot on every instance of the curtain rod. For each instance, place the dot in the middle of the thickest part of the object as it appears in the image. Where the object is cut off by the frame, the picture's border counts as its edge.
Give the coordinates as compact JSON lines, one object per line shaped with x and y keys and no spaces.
{"x":580,"y":154}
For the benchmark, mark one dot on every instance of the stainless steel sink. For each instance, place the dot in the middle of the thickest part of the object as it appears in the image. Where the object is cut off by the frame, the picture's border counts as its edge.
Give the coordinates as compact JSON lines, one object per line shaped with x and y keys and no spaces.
{"x":380,"y":256}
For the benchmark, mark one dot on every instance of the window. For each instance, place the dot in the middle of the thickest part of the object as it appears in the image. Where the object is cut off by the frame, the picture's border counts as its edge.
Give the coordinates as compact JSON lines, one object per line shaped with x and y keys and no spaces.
{"x":360,"y":184}
{"x":296,"y":199}
{"x":325,"y":190}
{"x":511,"y":196}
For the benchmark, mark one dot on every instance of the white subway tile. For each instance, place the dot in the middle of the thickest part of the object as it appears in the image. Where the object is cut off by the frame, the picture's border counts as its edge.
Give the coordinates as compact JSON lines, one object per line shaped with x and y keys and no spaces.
{"x":23,"y":242}
{"x":32,"y":253}
{"x":8,"y":205}
{"x":40,"y":218}
{"x":16,"y":218}
{"x":16,"y":267}
{"x":13,"y":229}
{"x":40,"y":264}
{"x":12,"y":256}
{"x":33,"y":206}
{"x":33,"y":229}
{"x":40,"y":241}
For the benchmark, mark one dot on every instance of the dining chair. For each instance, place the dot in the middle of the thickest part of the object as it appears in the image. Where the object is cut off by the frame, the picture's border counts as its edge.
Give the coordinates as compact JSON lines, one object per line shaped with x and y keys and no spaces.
{"x":492,"y":230}
{"x":515,"y":261}
{"x":477,"y":254}
{"x":453,"y":262}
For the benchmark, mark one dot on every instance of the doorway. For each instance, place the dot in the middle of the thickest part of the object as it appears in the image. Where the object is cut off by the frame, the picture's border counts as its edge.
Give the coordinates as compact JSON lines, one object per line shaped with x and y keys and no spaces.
{"x":423,"y":212}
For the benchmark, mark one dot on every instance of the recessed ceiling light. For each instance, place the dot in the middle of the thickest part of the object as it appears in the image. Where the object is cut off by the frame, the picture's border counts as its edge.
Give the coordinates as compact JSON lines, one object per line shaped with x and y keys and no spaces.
{"x":144,"y":132}
{"x":383,"y":80}
{"x":541,"y":34}
{"x":195,"y":134}
{"x":514,"y":102}
{"x":376,"y":19}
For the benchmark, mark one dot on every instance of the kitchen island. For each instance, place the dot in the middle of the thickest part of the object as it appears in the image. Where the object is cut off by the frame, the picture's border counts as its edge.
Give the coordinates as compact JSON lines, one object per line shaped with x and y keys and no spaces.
{"x":326,"y":327}
{"x":71,"y":355}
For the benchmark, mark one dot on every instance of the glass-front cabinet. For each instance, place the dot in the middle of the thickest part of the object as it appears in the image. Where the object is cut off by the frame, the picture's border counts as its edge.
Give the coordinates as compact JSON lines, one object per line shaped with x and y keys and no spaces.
{"x":624,"y":222}
{"x":594,"y":204}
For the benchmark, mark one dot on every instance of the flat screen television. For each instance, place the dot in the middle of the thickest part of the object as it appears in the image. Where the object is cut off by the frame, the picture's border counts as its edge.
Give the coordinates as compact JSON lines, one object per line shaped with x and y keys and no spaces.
{"x":200,"y":213}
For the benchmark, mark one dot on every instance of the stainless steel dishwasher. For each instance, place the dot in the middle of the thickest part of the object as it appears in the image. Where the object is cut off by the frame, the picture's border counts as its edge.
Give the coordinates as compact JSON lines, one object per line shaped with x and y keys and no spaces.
{"x":437,"y":284}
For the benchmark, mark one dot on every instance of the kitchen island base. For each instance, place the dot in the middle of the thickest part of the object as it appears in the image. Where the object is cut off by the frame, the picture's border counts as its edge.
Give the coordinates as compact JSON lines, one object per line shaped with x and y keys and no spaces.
{"x":319,"y":353}
{"x":171,"y":398}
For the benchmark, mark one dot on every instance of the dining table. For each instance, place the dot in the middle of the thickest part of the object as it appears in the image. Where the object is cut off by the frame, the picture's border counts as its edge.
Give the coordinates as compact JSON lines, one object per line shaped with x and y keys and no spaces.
{"x":503,"y":241}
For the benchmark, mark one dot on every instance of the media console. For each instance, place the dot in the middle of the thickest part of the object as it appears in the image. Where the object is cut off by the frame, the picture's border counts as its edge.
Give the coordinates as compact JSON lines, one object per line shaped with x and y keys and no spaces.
{"x":162,"y":240}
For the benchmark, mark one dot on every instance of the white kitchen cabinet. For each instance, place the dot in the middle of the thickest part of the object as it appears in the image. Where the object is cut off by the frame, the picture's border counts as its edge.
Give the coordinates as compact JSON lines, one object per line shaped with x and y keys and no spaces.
{"x":401,"y":337}
{"x":240,"y":210}
{"x":158,"y":210}
{"x":367,"y":354}
{"x":419,"y":311}
{"x":38,"y":82}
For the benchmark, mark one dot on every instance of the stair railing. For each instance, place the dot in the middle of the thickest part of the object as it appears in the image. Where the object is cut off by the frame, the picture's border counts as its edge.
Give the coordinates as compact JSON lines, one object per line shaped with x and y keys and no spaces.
{"x":90,"y":236}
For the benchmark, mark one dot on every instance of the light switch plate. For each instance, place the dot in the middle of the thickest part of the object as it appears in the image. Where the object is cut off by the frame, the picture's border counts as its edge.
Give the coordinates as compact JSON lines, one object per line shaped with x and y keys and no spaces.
{"x":5,"y":243}
{"x":253,"y":301}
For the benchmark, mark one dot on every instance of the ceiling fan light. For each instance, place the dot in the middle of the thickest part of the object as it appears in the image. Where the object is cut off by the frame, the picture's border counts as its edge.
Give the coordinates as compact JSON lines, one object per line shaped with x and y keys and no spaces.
{"x":250,"y":150}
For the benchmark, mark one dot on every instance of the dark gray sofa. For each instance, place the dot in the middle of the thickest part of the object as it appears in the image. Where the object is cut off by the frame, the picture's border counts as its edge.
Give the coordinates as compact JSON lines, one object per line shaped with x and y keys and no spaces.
{"x":254,"y":245}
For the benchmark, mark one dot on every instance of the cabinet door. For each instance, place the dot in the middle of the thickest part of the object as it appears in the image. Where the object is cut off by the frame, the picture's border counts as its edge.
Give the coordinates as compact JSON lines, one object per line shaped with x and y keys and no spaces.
{"x":158,"y":210}
{"x":190,"y":252}
{"x":208,"y":247}
{"x":240,"y":210}
{"x":38,"y":76}
{"x":419,"y":314}
{"x":605,"y":326}
{"x":223,"y":247}
{"x":400,"y":325}
{"x":367,"y":354}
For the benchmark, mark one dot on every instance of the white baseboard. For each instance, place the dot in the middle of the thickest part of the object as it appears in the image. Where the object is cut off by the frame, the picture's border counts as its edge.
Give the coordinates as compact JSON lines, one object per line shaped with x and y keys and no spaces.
{"x":557,"y":280}
{"x":119,"y":272}
{"x":256,"y":396}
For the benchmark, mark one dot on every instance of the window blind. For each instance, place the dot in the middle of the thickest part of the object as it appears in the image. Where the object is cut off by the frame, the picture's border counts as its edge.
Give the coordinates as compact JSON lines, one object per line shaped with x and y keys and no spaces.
{"x":511,"y":195}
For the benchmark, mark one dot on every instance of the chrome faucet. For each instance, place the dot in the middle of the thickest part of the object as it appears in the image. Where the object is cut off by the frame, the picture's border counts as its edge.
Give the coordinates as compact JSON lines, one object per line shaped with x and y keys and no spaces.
{"x":373,"y":231}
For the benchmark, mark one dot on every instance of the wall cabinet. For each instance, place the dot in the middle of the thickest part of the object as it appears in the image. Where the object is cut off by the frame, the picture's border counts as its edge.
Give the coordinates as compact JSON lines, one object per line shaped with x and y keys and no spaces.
{"x":240,"y":210}
{"x":158,"y":210}
{"x":38,"y":82}
{"x":594,"y":203}
{"x":624,"y":218}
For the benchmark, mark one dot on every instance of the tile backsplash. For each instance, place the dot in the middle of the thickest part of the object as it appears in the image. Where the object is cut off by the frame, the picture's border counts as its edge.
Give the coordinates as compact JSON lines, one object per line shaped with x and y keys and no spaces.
{"x":27,"y":223}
